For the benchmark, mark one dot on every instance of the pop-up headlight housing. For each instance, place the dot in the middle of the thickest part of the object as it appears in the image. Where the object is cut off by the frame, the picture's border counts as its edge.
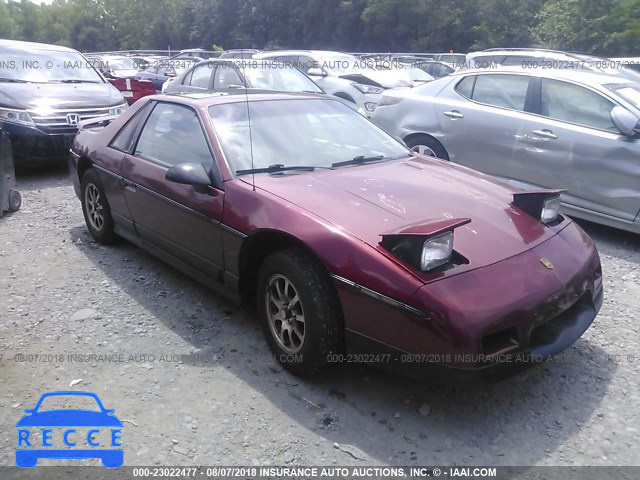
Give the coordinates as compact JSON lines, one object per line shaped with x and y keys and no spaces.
{"x":543,"y":205}
{"x":426,"y":246}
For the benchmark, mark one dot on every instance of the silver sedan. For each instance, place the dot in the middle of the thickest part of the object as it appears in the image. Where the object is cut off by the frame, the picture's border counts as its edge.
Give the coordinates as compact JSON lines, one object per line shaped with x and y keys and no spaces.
{"x":534,"y":129}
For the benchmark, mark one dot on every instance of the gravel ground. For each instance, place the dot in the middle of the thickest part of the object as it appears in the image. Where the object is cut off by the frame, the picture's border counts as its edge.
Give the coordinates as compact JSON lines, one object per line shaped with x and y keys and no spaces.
{"x":197,"y":384}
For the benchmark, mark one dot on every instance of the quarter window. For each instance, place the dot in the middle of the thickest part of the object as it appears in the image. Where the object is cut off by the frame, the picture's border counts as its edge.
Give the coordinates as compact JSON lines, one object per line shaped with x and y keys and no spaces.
{"x":173,"y":135}
{"x":465,"y":86}
{"x":125,"y":138}
{"x":575,"y":104}
{"x":507,"y":91}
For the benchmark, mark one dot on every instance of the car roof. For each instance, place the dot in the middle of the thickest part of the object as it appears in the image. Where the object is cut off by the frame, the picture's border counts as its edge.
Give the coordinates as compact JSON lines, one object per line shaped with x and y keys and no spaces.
{"x":578,"y":75}
{"x":30,"y":46}
{"x":323,"y":53}
{"x":531,"y":52}
{"x":203,"y":100}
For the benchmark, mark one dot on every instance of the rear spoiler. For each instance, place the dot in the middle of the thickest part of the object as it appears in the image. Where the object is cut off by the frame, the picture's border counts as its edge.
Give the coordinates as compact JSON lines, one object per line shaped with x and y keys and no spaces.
{"x":96,"y":122}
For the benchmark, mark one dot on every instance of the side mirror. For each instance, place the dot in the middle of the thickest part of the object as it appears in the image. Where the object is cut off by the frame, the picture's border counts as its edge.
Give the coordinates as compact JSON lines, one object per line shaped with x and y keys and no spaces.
{"x":316,"y":72}
{"x":624,"y":120}
{"x":189,"y":174}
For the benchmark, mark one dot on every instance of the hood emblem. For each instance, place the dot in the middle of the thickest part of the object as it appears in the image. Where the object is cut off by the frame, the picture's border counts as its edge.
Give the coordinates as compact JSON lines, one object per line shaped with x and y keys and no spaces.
{"x":547,"y":263}
{"x":73,"y":118}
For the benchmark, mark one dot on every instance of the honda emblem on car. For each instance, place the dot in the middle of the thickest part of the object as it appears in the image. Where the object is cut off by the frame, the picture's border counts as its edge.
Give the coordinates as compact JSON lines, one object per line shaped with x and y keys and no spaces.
{"x":73,"y":118}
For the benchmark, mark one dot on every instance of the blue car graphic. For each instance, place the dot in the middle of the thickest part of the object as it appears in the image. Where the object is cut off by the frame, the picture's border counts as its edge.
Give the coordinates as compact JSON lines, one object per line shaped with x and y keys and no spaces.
{"x":28,"y":457}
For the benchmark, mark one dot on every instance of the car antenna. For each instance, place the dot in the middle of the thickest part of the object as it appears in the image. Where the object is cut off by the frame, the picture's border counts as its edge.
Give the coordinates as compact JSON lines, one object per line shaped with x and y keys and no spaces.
{"x":246,"y":96}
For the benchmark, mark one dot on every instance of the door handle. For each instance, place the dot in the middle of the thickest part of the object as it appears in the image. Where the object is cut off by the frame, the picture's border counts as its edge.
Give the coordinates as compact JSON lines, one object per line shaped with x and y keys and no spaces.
{"x":454,"y":114}
{"x":545,"y":133}
{"x":129,"y":185}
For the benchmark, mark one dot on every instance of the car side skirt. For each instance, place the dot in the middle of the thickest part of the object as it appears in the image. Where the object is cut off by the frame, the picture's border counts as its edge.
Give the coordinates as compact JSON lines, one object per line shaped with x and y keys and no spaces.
{"x":201,"y":277}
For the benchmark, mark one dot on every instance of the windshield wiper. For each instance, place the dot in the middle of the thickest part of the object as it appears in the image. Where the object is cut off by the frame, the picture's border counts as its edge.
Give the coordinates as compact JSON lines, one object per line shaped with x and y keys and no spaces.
{"x":358,"y":160}
{"x":279,"y":167}
{"x":12,"y":80}
{"x":72,"y":80}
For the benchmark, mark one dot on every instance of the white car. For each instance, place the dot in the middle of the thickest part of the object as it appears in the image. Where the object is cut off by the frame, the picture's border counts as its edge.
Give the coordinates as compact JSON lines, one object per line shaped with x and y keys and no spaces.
{"x":343,"y":75}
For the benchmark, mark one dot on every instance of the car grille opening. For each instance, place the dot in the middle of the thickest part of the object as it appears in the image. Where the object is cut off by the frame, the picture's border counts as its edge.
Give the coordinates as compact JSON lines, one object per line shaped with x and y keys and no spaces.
{"x":500,"y":341}
{"x":549,"y":331}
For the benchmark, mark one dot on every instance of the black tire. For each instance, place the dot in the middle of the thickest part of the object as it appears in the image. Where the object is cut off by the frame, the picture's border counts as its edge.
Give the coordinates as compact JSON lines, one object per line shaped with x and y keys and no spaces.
{"x":15,"y":200}
{"x":322,"y":329}
{"x":436,"y":148}
{"x":95,"y":207}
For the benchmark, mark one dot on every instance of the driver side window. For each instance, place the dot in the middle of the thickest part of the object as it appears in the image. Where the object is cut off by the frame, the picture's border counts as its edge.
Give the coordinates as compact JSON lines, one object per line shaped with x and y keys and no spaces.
{"x":173,"y":135}
{"x":575,"y":104}
{"x":226,"y":75}
{"x":201,"y":77}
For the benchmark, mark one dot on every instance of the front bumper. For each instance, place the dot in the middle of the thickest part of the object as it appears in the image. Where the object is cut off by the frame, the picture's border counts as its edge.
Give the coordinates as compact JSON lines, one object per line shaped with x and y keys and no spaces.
{"x":32,"y":146}
{"x":516,"y":311}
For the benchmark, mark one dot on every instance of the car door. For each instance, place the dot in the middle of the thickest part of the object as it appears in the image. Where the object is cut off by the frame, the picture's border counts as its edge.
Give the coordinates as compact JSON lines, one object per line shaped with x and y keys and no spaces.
{"x":570,"y":142}
{"x":111,"y":170}
{"x":479,"y":118}
{"x":199,"y":79}
{"x":180,"y":220}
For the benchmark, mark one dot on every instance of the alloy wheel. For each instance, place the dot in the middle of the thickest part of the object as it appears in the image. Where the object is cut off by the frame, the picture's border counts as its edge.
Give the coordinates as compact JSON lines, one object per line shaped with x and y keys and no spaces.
{"x":93,"y":203}
{"x":285,"y":314}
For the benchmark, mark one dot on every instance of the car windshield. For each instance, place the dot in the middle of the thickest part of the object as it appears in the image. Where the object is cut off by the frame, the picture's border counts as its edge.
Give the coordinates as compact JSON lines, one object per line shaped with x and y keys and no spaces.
{"x":276,"y":76}
{"x":630,"y":92}
{"x":310,"y":132}
{"x":121,"y":63}
{"x":66,"y":402}
{"x":40,"y":66}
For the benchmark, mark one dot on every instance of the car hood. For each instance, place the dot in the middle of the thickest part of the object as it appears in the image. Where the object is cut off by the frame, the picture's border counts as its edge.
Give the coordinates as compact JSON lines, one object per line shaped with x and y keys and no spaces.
{"x":63,"y":96}
{"x":381,"y":78}
{"x":368,"y":200}
{"x":69,"y":418}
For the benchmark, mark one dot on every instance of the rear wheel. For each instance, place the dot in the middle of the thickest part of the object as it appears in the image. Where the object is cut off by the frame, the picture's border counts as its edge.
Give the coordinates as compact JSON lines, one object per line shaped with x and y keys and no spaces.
{"x":299,"y":311}
{"x":427,"y":145}
{"x":95,"y":207}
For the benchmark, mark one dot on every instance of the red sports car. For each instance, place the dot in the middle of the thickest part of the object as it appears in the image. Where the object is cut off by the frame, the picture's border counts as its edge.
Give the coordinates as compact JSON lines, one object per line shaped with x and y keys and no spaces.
{"x":353,"y":247}
{"x":133,"y":90}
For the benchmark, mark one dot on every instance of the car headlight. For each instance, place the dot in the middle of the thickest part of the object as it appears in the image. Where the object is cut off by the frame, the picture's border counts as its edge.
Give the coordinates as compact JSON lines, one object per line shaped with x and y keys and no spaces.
{"x":118,"y":109}
{"x":424,"y":255}
{"x":19,"y":117}
{"x":368,"y":88}
{"x":543,"y":205}
{"x":436,"y":251}
{"x":550,"y":210}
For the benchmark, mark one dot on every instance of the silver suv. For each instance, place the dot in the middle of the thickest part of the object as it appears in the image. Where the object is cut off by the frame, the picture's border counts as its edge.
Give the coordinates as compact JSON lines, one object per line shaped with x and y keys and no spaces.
{"x":560,"y":129}
{"x":343,"y":75}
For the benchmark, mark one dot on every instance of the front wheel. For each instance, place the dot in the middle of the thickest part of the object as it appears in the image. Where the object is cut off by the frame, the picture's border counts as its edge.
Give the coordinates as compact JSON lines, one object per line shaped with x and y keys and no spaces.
{"x":299,"y":311}
{"x":95,"y":207}
{"x":427,"y":145}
